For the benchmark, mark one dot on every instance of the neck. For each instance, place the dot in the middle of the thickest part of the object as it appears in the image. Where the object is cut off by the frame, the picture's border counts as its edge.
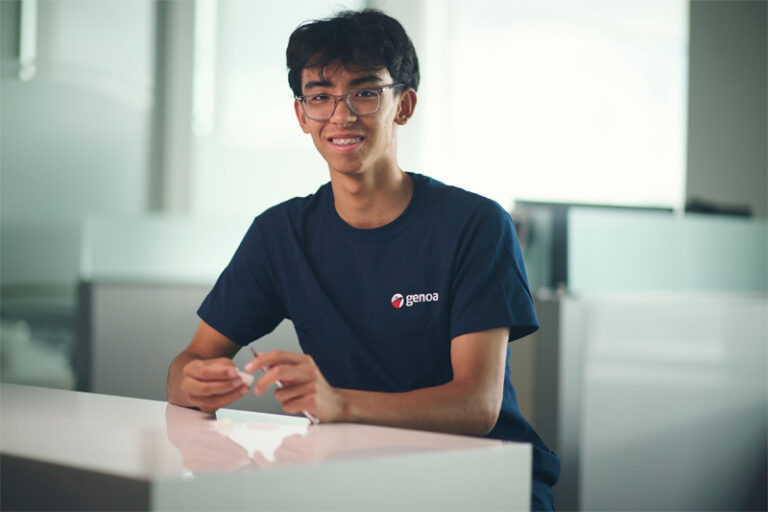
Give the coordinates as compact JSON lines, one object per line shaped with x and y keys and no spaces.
{"x":371,"y":199}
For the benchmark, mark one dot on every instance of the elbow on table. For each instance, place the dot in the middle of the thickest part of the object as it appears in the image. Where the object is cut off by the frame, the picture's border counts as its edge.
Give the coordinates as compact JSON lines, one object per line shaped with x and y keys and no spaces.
{"x":481,"y":410}
{"x":487,"y":423}
{"x":483,"y":420}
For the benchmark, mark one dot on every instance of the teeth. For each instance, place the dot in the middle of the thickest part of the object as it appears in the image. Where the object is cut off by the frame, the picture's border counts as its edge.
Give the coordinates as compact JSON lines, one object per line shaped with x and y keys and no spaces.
{"x":346,"y":142}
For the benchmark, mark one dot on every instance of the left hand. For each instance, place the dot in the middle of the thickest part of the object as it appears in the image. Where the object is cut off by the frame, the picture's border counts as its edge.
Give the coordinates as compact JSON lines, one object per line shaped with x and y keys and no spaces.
{"x":303,"y":386}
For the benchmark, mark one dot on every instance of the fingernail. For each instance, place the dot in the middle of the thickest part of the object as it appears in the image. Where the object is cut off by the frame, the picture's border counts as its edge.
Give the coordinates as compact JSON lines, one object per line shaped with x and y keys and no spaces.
{"x":236,"y":383}
{"x":232,"y":372}
{"x":243,"y":390}
{"x":248,"y":367}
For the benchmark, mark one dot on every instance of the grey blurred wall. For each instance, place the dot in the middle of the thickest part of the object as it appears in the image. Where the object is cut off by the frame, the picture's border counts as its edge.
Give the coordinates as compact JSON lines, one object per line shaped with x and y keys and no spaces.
{"x":727,"y":112}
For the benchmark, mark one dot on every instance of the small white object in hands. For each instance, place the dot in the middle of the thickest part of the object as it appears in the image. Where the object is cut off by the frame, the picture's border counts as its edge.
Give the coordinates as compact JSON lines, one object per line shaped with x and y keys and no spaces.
{"x":247,"y":378}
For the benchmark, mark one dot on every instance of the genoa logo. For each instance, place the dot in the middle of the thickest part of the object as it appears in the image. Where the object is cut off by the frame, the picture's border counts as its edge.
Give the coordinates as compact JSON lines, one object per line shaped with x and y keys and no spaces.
{"x":409,"y":300}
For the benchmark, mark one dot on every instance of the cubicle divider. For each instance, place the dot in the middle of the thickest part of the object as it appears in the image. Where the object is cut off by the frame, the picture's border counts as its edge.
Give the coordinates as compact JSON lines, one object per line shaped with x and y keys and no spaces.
{"x":141,"y":282}
{"x":651,"y":367}
{"x":634,"y":251}
{"x":659,"y":399}
{"x":130,"y":332}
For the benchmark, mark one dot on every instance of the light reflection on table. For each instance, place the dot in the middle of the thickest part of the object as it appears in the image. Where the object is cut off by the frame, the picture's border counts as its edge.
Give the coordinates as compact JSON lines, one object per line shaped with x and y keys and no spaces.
{"x":236,"y":440}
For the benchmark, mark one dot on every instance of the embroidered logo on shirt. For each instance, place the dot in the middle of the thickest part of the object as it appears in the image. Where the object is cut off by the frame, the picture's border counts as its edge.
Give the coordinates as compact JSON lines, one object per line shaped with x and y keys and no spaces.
{"x":409,"y":300}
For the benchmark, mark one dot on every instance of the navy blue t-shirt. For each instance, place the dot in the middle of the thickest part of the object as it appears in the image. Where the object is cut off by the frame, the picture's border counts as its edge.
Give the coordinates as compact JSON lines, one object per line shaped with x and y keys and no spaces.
{"x":377,"y":308}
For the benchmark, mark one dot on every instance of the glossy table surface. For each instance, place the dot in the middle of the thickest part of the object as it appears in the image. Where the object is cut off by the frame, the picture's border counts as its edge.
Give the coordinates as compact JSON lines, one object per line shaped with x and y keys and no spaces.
{"x":153,"y":441}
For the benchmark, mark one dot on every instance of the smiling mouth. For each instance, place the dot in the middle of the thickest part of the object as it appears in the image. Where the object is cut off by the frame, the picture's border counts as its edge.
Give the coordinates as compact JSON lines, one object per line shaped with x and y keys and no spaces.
{"x":346,"y":141}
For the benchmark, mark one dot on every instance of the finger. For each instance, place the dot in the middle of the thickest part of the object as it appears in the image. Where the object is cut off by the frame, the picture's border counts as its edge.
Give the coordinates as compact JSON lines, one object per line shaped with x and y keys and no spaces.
{"x":302,"y":404}
{"x":289,"y":393}
{"x":287,"y":375}
{"x":274,"y":358}
{"x":212,"y":403}
{"x":200,"y":388}
{"x":268,"y":379}
{"x":213,"y":369}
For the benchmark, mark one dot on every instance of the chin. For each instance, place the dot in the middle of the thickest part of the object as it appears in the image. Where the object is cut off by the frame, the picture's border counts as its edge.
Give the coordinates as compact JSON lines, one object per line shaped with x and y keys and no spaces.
{"x":346,"y":168}
{"x":347,"y":171}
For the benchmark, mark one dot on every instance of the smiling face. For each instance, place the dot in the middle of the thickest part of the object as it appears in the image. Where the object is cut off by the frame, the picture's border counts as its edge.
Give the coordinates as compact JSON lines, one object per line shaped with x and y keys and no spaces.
{"x":350,"y":143}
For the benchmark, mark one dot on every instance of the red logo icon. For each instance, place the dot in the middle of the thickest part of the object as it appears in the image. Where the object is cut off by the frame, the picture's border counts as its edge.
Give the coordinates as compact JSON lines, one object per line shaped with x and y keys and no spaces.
{"x":397,"y":301}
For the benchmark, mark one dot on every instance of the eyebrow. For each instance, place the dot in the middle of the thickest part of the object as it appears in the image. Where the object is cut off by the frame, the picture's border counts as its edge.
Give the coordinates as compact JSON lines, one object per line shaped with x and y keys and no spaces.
{"x":357,"y":81}
{"x":317,"y":83}
{"x":363,"y":79}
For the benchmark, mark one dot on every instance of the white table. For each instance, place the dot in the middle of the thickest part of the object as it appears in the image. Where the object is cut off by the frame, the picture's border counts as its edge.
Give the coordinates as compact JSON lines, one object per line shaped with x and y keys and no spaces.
{"x":69,"y":450}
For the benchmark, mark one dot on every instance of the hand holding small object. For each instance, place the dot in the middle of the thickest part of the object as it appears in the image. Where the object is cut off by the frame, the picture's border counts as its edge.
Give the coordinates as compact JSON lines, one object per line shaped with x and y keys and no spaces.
{"x":212,"y":383}
{"x":290,"y":393}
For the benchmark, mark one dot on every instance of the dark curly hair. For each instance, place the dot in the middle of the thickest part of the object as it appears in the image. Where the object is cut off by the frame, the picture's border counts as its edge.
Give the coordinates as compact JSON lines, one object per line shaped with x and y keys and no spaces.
{"x":367,"y":39}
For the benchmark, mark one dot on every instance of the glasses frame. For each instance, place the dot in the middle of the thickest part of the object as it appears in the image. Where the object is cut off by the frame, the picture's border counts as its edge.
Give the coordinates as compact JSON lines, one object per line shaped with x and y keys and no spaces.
{"x":336,"y":98}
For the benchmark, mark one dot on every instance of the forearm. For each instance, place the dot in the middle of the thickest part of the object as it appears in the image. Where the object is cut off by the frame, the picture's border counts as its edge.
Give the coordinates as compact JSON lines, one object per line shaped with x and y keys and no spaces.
{"x":468,"y":404}
{"x":452,"y":407}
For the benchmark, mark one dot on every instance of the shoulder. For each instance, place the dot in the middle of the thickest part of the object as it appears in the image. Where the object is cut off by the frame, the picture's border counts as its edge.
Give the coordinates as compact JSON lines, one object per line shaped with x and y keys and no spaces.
{"x":456,"y":205}
{"x":292,"y":210}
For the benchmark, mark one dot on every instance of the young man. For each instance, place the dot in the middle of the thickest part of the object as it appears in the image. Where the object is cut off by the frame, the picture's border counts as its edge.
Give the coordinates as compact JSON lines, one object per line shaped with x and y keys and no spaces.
{"x":404,"y":291}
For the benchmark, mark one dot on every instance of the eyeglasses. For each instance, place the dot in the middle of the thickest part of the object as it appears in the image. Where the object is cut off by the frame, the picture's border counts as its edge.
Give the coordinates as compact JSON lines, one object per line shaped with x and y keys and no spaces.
{"x":361,"y":102}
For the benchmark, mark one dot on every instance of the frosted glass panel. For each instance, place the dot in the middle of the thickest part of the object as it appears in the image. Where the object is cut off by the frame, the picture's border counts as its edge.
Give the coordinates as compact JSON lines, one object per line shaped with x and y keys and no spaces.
{"x":158,"y":248}
{"x":76,"y":138}
{"x":673,"y":400}
{"x":627,"y":251}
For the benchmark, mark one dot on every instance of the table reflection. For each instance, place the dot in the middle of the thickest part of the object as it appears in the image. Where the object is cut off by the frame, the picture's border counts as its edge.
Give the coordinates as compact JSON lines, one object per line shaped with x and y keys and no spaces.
{"x":218,"y":445}
{"x":241,"y":441}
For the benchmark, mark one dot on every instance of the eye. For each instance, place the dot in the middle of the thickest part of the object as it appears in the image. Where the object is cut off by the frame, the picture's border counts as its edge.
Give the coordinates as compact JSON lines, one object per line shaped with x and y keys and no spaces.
{"x":365,"y":93}
{"x":318,"y":98}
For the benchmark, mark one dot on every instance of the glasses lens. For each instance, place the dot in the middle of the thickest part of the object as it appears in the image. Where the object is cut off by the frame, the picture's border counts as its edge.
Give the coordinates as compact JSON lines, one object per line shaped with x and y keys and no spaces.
{"x":362,"y":102}
{"x":318,"y":106}
{"x":365,"y":101}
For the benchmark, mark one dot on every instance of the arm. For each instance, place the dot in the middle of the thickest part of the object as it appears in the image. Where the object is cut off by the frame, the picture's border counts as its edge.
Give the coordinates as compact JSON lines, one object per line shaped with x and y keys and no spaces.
{"x":468,"y":404}
{"x":203,"y":375}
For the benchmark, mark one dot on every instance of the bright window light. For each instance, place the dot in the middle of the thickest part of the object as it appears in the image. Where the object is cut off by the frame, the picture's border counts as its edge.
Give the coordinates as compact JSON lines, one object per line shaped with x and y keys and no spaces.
{"x":562,"y":101}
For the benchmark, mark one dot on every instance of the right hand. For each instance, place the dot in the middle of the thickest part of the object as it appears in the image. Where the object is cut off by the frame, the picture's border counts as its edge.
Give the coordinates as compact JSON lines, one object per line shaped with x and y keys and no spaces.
{"x":212,"y":383}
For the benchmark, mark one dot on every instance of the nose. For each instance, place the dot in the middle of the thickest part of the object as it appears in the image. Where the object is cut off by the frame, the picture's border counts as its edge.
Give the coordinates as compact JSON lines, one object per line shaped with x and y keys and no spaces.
{"x":342,"y":115}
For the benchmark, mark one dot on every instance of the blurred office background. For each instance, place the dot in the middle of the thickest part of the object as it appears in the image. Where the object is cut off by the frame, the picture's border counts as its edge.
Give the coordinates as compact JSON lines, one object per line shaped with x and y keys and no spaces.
{"x":138,"y":138}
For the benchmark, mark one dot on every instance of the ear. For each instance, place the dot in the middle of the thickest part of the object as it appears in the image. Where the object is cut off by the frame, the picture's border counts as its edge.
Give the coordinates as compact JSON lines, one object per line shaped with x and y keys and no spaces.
{"x":303,"y":122}
{"x":405,"y":106}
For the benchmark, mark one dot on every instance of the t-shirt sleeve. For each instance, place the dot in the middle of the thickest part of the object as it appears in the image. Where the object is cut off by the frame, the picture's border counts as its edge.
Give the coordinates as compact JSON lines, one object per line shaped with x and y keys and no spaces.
{"x":490,"y":287}
{"x":243,"y":304}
